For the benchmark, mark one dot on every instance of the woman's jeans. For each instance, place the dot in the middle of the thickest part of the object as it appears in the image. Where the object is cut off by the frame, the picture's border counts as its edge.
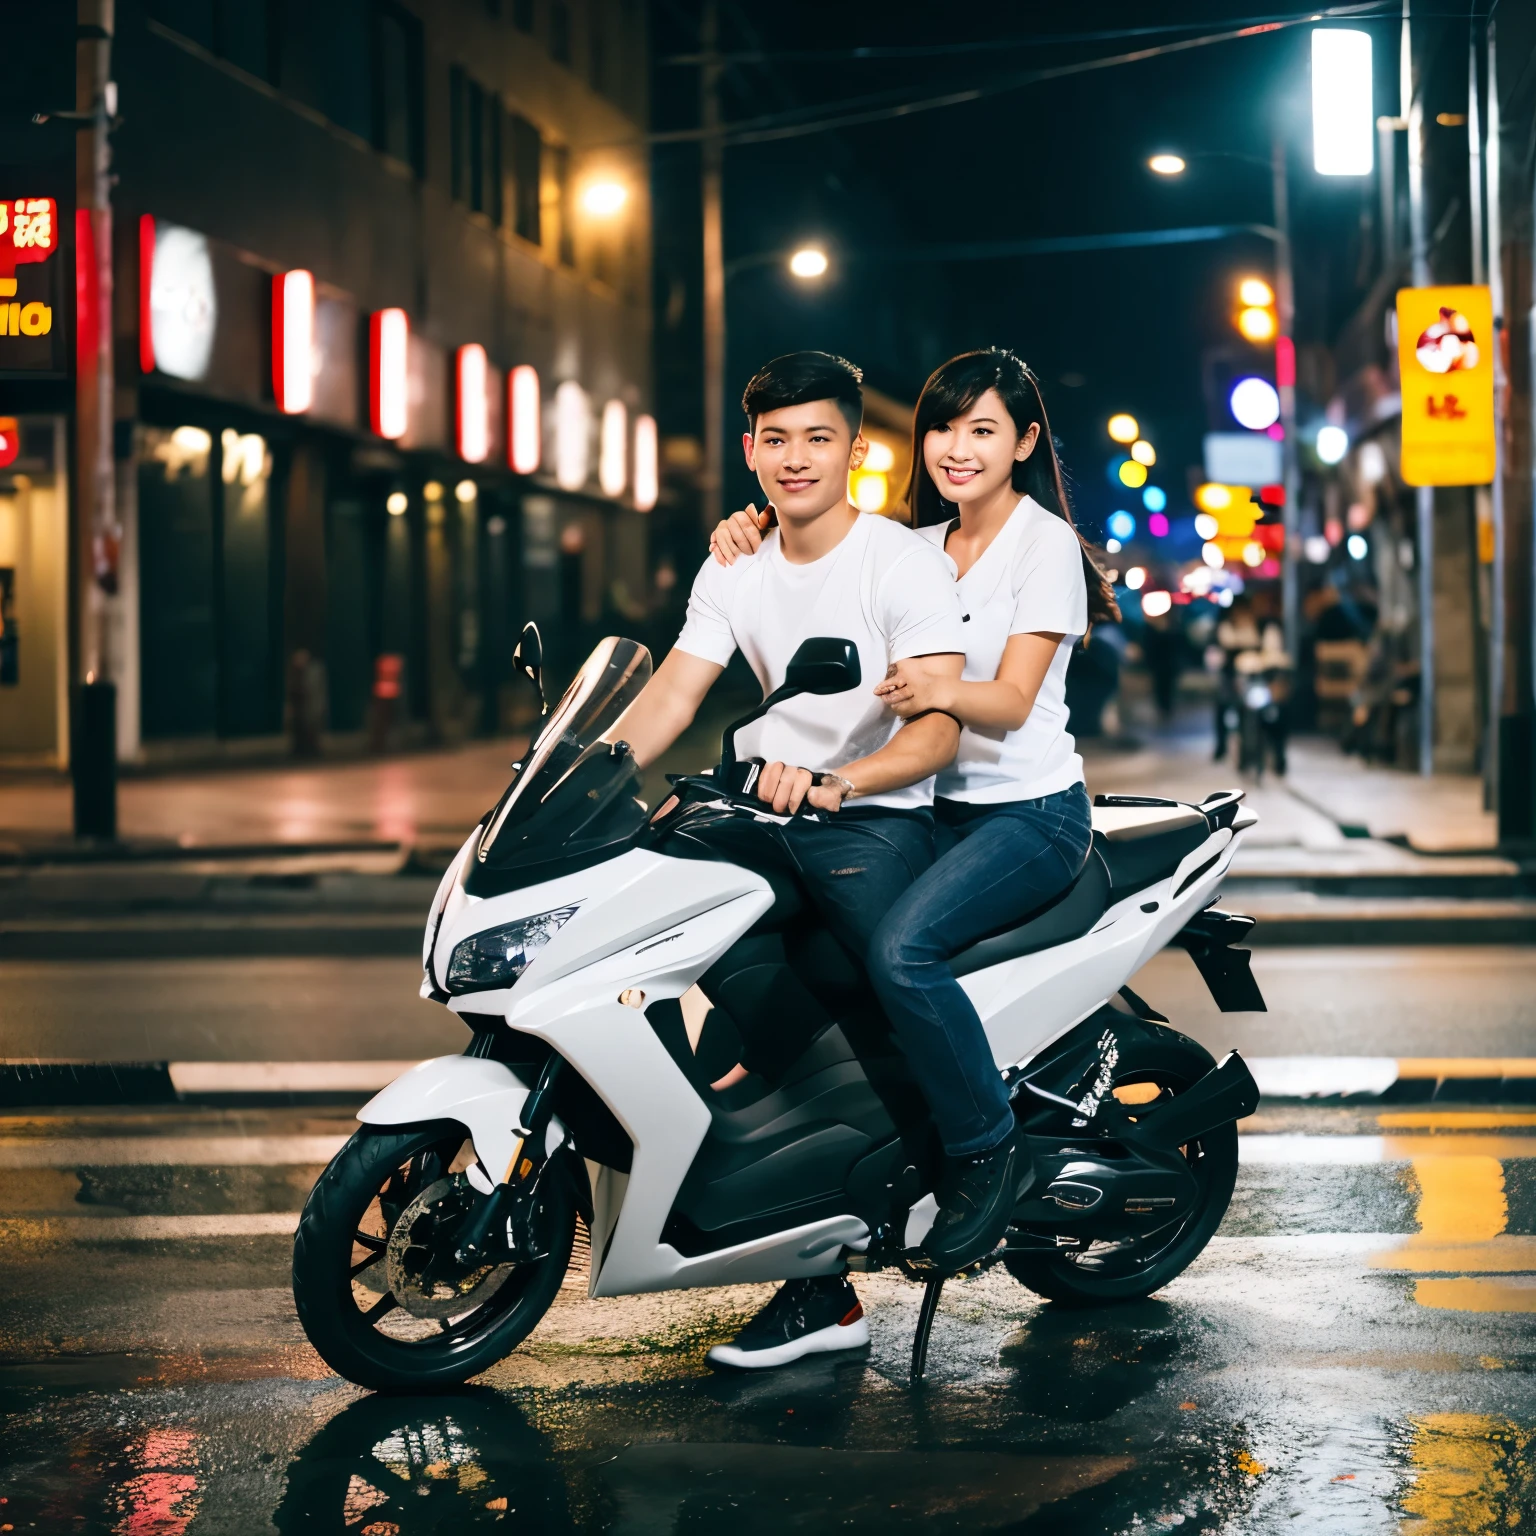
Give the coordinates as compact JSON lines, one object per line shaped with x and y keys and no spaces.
{"x":994,"y":868}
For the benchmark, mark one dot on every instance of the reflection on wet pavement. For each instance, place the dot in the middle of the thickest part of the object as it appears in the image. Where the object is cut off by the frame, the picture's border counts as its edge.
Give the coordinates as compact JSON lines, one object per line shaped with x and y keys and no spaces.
{"x":1353,"y":1353}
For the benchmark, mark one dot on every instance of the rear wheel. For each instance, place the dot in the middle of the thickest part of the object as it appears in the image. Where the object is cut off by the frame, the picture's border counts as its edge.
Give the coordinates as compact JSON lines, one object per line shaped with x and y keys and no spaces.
{"x":1103,"y":1271}
{"x":377,"y":1289}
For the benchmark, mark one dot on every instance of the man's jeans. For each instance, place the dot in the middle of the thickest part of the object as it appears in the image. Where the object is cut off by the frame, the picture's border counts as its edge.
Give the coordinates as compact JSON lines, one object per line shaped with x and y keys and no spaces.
{"x":853,"y":866}
{"x":993,"y":870}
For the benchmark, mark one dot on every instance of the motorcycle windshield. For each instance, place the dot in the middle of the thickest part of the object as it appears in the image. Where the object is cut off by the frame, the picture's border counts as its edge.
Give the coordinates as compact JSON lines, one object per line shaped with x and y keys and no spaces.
{"x":568,"y":760}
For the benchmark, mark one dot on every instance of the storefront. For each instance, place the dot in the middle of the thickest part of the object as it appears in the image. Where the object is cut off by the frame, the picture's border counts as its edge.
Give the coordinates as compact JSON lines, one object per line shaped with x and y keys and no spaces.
{"x":337,"y":553}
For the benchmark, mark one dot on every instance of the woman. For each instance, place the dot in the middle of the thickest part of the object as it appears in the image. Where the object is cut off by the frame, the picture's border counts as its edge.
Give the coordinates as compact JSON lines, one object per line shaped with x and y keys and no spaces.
{"x":1012,"y":819}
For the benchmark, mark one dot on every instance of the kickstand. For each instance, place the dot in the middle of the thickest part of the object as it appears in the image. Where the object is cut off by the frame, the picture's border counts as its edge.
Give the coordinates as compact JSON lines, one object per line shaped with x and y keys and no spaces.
{"x":925,"y":1325}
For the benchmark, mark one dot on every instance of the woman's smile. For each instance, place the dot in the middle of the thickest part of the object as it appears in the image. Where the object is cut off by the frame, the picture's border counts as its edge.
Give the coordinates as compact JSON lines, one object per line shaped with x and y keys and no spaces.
{"x":958,"y":474}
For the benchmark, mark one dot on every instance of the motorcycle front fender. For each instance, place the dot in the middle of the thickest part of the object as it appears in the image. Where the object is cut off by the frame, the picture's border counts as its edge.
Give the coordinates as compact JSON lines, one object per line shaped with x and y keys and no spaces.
{"x":482,"y":1096}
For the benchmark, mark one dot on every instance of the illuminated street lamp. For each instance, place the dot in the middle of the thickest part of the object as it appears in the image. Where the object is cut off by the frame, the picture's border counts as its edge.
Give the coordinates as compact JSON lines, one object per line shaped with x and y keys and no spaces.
{"x":603,"y":199}
{"x":1123,"y":428}
{"x":1144,"y":453}
{"x":1343,"y":118}
{"x":1166,"y":165}
{"x":808,"y":262}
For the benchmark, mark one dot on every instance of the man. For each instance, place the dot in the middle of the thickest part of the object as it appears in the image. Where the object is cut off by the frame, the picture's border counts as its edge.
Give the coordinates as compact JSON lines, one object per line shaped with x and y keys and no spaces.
{"x":827,"y":569}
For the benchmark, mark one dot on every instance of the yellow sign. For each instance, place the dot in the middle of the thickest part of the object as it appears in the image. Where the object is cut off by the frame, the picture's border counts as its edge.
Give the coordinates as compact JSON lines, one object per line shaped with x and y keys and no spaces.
{"x":1445,"y":347}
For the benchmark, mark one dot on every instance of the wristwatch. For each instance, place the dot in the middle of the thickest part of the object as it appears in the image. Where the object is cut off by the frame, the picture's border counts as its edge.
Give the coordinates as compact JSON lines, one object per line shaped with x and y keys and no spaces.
{"x":846,"y":785}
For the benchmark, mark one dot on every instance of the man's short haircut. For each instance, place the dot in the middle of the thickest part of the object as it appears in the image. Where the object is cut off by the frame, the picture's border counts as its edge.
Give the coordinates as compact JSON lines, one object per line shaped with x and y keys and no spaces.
{"x":797,"y":378}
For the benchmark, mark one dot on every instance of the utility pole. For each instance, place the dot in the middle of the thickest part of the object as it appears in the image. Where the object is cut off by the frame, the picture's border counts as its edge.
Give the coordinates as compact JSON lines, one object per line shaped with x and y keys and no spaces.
{"x":1424,"y":498}
{"x":1498,"y":652}
{"x":93,"y":739}
{"x":1285,"y":384}
{"x":712,"y":155}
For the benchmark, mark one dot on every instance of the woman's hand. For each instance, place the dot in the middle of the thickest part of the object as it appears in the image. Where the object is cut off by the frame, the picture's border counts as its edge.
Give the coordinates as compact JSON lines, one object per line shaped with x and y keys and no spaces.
{"x":910,"y":688}
{"x":740,"y":534}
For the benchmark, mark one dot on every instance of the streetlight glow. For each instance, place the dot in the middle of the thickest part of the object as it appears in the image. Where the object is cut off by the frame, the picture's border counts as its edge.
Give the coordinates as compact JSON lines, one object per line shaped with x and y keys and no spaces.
{"x":1144,"y":453}
{"x":808,"y":262}
{"x":1343,"y":119}
{"x":1255,"y":291}
{"x":1332,"y":444}
{"x":1255,"y":404}
{"x":1257,"y":324}
{"x":603,"y":199}
{"x":1166,"y":165}
{"x":1133,"y":474}
{"x":1123,"y":428}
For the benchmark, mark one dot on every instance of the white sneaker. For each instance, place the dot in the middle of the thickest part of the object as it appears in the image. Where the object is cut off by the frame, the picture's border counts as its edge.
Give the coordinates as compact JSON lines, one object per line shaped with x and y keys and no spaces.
{"x":806,"y":1317}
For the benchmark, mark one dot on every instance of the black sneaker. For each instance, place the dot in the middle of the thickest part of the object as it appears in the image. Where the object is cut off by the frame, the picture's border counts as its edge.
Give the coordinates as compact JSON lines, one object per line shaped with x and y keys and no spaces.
{"x":976,"y":1200}
{"x":807,"y":1317}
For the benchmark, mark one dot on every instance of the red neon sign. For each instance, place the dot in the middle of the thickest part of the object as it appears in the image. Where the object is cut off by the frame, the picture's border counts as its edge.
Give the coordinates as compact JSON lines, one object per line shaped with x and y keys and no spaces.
{"x":388,"y":374}
{"x":146,"y":283}
{"x":523,"y":427}
{"x":293,"y":340}
{"x":471,"y":403}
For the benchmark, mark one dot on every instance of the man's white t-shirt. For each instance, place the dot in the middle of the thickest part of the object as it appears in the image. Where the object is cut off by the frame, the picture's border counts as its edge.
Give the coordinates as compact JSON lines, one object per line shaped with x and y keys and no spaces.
{"x":882,"y":587}
{"x":1029,"y":579}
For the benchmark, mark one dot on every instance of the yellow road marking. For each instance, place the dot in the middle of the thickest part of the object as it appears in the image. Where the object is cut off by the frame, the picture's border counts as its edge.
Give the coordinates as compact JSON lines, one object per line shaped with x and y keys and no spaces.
{"x":1454,"y":1119}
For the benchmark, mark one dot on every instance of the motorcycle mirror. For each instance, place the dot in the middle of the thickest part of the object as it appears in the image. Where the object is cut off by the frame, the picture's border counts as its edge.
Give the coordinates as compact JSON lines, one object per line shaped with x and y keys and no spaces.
{"x":820,"y":665}
{"x":823,"y":665}
{"x":528,"y":658}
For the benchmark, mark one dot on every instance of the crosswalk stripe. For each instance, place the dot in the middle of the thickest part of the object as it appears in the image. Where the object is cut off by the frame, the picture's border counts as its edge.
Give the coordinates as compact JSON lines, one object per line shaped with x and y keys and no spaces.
{"x":168,"y":1151}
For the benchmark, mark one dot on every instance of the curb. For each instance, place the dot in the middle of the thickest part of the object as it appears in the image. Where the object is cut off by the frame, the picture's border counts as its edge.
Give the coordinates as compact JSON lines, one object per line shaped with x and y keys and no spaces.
{"x":1361,"y":1080}
{"x":142,"y":1084}
{"x":1289,"y":920}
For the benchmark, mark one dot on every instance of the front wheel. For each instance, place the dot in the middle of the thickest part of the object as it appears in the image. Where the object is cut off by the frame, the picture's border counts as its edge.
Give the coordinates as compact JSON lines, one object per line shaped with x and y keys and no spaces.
{"x":1105,"y":1271}
{"x":377,"y":1289}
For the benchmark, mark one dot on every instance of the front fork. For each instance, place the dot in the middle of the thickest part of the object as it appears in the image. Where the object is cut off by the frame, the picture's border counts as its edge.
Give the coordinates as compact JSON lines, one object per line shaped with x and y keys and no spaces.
{"x":502,"y":1224}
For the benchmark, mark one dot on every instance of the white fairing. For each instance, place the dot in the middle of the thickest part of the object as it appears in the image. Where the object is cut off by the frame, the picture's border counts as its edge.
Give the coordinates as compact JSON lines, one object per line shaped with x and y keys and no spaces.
{"x":646,"y":927}
{"x":483,"y":1096}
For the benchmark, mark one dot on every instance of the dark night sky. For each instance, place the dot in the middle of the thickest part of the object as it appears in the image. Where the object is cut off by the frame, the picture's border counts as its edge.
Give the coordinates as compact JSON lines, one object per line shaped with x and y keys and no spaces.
{"x":1057,"y":158}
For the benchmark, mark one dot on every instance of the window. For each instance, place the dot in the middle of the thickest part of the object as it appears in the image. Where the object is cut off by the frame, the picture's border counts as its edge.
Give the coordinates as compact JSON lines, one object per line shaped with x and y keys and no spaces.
{"x":474,"y":144}
{"x":527,"y":171}
{"x":458,"y":156}
{"x":495,"y":134}
{"x":560,"y":31}
{"x":560,"y":165}
{"x":397,"y":84}
{"x":597,"y":49}
{"x":522,"y":15}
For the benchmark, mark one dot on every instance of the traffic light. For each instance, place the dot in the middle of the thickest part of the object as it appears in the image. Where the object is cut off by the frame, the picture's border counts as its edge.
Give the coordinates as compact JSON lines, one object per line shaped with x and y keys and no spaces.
{"x":1256,"y":318}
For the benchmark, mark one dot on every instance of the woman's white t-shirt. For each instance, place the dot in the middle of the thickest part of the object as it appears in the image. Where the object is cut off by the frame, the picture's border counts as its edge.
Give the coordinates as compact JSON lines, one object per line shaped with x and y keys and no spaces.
{"x":1029,"y":580}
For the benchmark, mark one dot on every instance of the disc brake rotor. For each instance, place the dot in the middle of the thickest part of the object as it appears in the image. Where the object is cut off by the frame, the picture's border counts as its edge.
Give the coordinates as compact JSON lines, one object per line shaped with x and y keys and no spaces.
{"x":425,"y":1277}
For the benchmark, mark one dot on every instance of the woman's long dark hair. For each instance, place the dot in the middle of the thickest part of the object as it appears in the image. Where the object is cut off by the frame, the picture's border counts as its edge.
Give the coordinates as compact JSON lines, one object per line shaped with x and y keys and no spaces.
{"x":951,"y":391}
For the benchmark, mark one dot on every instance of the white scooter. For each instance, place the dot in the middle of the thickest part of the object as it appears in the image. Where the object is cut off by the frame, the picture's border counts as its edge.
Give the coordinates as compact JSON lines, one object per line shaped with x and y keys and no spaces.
{"x":609,"y":961}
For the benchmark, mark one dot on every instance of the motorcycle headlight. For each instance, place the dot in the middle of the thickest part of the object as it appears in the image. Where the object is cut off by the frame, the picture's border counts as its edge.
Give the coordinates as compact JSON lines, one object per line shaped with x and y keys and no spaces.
{"x":497,"y":957}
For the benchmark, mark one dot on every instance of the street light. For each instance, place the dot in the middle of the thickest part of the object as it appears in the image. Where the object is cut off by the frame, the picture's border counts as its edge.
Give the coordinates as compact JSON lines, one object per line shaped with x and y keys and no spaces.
{"x":1166,"y":165}
{"x":603,"y":199}
{"x":1343,"y":119}
{"x":808,"y":262}
{"x":1123,"y":428}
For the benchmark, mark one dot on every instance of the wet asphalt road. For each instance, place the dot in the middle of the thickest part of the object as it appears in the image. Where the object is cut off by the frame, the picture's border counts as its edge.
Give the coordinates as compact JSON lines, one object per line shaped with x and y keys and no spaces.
{"x":1353,"y":1353}
{"x":1377,"y":1001}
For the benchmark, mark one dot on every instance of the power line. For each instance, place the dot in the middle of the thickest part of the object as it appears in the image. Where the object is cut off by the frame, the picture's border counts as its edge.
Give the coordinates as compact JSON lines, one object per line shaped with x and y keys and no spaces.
{"x":886,"y":105}
{"x":989,"y":45}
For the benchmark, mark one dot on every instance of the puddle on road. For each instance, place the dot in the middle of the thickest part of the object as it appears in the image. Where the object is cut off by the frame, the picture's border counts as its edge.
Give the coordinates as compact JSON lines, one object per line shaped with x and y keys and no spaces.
{"x":1463,"y":1212}
{"x":1471,"y":1474}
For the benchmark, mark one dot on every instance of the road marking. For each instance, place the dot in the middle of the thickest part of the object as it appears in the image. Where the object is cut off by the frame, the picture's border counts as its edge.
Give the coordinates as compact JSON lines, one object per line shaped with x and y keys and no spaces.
{"x":169,"y":1151}
{"x":1326,"y":1077}
{"x":113,"y":1229}
{"x":1349,"y":1151}
{"x":285,"y":1076}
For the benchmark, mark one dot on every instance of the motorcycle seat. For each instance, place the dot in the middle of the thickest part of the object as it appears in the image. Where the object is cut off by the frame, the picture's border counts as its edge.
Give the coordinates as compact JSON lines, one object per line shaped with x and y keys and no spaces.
{"x":1068,"y":916}
{"x":1141,"y":844}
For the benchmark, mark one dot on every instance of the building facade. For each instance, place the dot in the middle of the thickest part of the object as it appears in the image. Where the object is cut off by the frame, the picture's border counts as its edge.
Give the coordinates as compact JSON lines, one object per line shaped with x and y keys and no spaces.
{"x":381,"y":288}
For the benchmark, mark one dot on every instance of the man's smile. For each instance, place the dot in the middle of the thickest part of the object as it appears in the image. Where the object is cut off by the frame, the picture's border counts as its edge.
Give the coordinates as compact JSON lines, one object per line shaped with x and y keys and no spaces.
{"x":793,"y":483}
